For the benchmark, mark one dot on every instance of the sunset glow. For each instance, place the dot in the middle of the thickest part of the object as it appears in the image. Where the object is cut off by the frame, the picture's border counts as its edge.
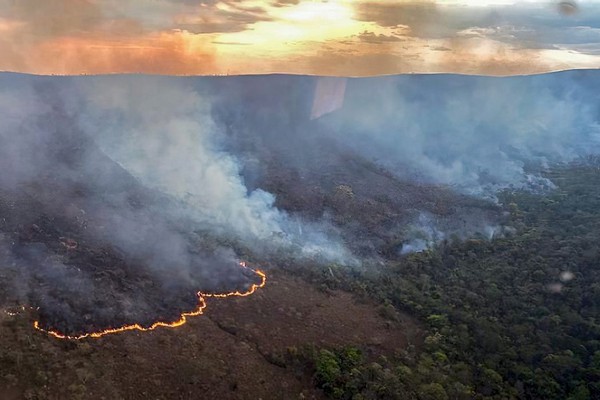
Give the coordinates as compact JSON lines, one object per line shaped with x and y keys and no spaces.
{"x":336,"y":37}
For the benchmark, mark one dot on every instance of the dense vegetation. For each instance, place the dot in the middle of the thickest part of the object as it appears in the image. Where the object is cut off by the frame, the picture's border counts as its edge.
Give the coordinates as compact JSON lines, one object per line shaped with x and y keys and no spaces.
{"x":514,"y":317}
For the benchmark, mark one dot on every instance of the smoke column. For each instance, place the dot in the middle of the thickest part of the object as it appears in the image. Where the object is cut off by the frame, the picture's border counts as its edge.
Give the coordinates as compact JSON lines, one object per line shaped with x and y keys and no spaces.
{"x":477,"y":134}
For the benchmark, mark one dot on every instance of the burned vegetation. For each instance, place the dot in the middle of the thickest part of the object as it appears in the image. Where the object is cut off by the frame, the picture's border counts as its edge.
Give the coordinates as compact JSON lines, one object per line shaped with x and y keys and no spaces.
{"x":87,"y":247}
{"x":128,"y":201}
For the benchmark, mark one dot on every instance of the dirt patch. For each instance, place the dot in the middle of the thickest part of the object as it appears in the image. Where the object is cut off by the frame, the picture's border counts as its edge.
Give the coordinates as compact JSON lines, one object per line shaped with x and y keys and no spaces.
{"x":223,"y":354}
{"x":290,"y":312}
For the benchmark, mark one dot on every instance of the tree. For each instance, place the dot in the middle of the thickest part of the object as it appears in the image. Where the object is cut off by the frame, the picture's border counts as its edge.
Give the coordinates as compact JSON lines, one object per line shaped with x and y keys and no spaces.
{"x":432,"y":391}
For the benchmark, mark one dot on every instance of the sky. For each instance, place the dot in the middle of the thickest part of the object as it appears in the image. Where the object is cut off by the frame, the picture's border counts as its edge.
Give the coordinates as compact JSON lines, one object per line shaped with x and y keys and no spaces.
{"x":334,"y":37}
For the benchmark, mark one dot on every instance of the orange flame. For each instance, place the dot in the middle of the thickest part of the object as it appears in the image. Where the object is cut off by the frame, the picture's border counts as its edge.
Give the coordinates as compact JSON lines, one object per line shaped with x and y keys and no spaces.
{"x":182,"y":319}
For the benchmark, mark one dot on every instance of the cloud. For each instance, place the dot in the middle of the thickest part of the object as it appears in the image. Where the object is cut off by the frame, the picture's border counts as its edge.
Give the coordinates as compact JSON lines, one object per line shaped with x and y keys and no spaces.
{"x":284,"y":3}
{"x":374,"y":38}
{"x":422,"y":17}
{"x":227,"y":17}
{"x":527,"y":25}
{"x":53,"y":17}
{"x":174,"y":53}
{"x":195,"y":36}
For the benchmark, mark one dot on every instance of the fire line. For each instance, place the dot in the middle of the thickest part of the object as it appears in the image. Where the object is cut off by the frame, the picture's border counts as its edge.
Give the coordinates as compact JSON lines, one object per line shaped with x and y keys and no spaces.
{"x":181,"y":321}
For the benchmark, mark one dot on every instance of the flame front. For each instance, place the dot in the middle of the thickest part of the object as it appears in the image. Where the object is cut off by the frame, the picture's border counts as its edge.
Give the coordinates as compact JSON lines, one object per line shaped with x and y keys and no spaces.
{"x":182,"y":319}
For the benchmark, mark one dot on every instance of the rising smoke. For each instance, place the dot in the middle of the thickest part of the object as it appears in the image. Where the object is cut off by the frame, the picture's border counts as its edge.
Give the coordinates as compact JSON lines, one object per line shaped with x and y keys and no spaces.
{"x":477,"y":134}
{"x":164,"y":135}
{"x":168,"y":180}
{"x":119,"y":202}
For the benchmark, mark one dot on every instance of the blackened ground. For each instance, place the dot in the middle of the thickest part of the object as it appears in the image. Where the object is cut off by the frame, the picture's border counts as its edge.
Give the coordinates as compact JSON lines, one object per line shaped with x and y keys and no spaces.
{"x":232,"y":352}
{"x":81,"y":284}
{"x":87,"y":245}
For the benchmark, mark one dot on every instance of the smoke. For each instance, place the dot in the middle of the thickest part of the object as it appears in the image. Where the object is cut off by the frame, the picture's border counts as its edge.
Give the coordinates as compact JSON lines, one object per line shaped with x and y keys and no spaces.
{"x":163,"y":133}
{"x":164,"y":136}
{"x":139,"y":190}
{"x":436,"y":134}
{"x":427,"y":230}
{"x":477,"y":134}
{"x":121,"y":202}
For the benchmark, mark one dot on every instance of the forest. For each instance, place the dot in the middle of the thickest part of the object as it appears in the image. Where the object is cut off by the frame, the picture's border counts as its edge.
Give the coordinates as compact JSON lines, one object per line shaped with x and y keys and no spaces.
{"x":511,"y":317}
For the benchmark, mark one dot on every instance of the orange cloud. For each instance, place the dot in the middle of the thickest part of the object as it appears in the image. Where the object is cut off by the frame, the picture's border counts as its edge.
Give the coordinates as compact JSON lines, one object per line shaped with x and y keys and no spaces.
{"x":176,"y":53}
{"x":337,"y":37}
{"x":52,"y":17}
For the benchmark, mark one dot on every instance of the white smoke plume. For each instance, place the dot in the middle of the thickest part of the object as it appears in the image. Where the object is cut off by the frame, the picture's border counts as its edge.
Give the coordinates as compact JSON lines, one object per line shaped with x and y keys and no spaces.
{"x":477,"y":134}
{"x":119,"y":201}
{"x":162,"y":132}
